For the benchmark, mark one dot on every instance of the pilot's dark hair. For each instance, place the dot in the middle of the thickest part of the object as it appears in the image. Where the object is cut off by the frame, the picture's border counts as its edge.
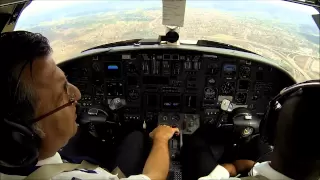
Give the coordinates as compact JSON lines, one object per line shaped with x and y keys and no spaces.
{"x":18,"y":50}
{"x":297,"y":147}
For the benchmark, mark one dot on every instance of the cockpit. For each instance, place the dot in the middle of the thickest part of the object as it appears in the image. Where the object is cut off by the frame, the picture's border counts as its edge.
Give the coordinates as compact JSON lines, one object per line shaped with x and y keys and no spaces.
{"x":141,"y":83}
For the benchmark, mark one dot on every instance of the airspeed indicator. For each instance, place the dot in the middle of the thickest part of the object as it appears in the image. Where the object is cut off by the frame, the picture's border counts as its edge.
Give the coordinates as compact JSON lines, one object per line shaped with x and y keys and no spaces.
{"x":209,"y":93}
{"x":133,"y":94}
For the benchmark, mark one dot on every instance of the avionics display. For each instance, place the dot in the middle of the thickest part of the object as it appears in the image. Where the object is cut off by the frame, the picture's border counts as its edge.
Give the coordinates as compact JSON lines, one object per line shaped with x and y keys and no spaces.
{"x":171,"y":102}
{"x":112,"y":70}
{"x":230,"y":70}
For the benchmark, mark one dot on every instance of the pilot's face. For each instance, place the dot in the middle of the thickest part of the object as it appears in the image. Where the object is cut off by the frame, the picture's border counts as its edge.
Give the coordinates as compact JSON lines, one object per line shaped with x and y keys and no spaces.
{"x":53,"y":90}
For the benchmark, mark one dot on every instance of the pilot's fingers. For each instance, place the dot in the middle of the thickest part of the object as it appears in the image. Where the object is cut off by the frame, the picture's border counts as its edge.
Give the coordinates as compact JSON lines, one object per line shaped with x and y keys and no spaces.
{"x":163,"y":132}
{"x":176,"y":131}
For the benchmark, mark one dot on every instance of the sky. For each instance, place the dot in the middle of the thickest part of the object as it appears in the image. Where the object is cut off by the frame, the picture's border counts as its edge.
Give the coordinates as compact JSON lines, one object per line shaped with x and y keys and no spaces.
{"x":43,"y":6}
{"x":40,"y":6}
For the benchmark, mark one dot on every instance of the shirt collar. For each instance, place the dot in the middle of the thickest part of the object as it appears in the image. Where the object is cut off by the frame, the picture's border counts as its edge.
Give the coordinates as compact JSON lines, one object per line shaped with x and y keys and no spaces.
{"x":55,"y":159}
{"x":264,"y":169}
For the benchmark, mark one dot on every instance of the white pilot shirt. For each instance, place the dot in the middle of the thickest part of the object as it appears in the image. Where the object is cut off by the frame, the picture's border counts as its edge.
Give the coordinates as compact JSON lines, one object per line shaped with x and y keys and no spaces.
{"x":98,"y":173}
{"x":263,"y":169}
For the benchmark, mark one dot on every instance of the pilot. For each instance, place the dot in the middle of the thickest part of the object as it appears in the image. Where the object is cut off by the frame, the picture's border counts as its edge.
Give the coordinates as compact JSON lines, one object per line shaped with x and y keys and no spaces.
{"x":39,"y":113}
{"x":296,"y":153}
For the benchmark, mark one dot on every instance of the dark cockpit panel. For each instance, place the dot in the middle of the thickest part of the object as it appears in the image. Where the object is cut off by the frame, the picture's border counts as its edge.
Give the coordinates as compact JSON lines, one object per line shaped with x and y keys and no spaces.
{"x":174,"y":86}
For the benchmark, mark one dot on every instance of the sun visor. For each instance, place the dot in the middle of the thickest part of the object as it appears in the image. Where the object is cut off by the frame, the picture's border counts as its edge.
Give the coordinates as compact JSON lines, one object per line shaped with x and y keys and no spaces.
{"x":173,"y":12}
{"x":10,"y":11}
{"x":316,"y":18}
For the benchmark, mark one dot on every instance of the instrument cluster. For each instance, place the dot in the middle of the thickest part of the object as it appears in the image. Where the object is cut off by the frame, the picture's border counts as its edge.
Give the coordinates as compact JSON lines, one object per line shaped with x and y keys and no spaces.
{"x":182,"y":88}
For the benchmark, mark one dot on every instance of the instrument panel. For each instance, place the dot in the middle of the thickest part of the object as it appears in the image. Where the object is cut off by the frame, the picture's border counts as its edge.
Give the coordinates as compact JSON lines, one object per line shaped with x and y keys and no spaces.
{"x":183,"y":88}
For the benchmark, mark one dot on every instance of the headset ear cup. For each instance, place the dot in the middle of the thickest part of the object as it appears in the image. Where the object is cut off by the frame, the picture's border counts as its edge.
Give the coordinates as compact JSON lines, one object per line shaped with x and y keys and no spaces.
{"x":22,"y":145}
{"x":268,"y":126}
{"x":262,"y":127}
{"x":18,"y":127}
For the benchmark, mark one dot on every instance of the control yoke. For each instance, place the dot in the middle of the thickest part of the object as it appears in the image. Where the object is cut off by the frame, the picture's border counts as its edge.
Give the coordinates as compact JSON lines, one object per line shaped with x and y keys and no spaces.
{"x":244,"y":123}
{"x":99,"y":115}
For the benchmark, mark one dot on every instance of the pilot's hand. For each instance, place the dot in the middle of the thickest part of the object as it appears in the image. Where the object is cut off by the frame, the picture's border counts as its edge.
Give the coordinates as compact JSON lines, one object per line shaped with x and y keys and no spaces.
{"x":243,"y":165}
{"x":230,"y":168}
{"x":163,"y":133}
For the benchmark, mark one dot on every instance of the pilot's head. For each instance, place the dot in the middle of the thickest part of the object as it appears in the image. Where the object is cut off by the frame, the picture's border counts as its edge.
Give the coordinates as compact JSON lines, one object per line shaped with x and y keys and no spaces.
{"x":36,"y":90}
{"x":297,"y":147}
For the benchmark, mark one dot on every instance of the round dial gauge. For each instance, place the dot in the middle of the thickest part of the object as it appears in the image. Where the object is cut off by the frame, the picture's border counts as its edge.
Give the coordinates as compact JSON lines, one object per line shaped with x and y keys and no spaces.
{"x":209,"y":93}
{"x":245,"y":71}
{"x":133,"y":94}
{"x":227,"y":88}
{"x":96,"y":66}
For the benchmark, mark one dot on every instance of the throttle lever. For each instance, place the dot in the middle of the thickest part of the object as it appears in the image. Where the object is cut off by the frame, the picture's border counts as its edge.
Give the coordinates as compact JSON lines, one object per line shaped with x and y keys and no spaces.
{"x":179,"y":138}
{"x":175,"y":145}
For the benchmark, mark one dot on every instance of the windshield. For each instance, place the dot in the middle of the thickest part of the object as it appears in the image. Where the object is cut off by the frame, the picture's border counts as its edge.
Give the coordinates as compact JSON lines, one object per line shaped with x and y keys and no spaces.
{"x":278,"y":30}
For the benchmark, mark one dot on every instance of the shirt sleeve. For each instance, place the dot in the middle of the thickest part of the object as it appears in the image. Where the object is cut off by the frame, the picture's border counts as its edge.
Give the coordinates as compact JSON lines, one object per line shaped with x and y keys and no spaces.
{"x":218,"y":173}
{"x":137,"y":177}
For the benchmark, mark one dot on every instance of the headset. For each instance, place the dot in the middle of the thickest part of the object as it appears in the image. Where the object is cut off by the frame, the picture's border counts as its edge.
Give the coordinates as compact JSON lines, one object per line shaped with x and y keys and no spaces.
{"x":21,"y":145}
{"x":20,"y":140}
{"x":269,"y":122}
